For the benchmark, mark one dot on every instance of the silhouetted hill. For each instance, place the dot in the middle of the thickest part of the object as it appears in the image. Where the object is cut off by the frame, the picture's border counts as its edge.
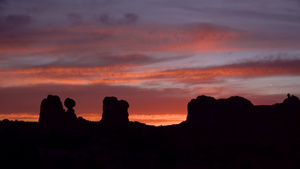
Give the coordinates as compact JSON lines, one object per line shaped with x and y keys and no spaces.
{"x":218,"y":133}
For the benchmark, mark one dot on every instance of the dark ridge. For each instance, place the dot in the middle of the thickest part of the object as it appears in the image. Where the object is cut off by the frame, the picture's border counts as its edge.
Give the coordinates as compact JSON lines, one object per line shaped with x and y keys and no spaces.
{"x":218,"y":133}
{"x":238,"y":117}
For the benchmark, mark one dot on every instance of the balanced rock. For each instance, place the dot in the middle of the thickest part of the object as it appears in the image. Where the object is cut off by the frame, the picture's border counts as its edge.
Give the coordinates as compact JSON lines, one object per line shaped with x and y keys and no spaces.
{"x":70,"y":115}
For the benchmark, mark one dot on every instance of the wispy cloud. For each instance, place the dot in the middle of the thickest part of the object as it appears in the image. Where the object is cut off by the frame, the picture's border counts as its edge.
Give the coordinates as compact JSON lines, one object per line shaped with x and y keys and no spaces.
{"x":124,"y":39}
{"x":92,"y":40}
{"x":126,"y":74}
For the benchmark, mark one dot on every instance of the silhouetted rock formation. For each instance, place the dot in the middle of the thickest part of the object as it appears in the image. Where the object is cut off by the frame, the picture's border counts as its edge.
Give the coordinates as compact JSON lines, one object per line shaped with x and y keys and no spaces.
{"x":209,"y":112}
{"x":292,"y":102}
{"x":51,"y":112}
{"x":218,"y":133}
{"x":201,"y":110}
{"x":53,"y":116}
{"x":115,"y":112}
{"x":70,"y":113}
{"x":282,"y":117}
{"x":237,"y":116}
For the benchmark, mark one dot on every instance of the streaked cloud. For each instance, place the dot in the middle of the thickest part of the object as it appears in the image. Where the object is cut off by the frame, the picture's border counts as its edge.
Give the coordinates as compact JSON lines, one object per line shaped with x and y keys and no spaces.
{"x":126,"y":74}
{"x":91,"y":39}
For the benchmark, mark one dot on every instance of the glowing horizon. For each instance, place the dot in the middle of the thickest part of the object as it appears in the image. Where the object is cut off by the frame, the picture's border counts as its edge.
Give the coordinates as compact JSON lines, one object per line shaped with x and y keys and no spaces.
{"x":155,"y":120}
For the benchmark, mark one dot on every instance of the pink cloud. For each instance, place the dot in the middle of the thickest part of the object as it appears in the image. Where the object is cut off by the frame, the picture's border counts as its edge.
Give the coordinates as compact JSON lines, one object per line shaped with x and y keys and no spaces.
{"x":126,"y":74}
{"x":120,"y":39}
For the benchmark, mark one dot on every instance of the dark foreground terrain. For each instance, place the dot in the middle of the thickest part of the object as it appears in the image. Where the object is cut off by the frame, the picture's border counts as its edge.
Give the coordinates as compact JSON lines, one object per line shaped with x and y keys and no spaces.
{"x":224,"y":133}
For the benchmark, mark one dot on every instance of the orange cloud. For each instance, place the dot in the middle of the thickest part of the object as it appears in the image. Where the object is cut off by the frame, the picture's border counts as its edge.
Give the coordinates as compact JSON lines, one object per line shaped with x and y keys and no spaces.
{"x":125,"y":74}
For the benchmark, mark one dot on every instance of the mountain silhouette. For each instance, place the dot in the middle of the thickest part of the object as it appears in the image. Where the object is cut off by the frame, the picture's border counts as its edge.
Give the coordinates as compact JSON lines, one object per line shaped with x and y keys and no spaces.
{"x":217,"y":133}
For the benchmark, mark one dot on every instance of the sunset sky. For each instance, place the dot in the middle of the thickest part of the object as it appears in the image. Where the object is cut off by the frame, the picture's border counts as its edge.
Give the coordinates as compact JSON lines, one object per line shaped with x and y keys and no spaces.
{"x":155,"y":54}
